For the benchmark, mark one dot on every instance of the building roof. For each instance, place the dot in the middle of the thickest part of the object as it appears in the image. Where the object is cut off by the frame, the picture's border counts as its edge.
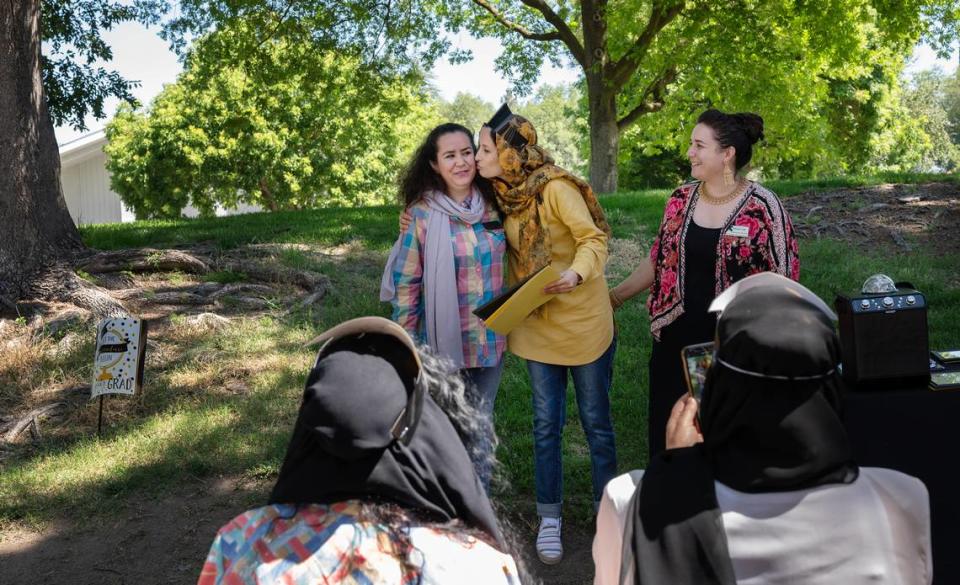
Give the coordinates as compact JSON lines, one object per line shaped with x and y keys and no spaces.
{"x":83,"y":148}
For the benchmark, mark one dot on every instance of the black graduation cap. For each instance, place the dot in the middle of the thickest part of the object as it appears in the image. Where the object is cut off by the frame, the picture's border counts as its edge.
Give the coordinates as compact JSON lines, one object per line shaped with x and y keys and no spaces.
{"x":499,"y":124}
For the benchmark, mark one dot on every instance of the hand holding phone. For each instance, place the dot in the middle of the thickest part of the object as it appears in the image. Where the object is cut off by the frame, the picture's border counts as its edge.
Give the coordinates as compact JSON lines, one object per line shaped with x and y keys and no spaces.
{"x":683,"y":427}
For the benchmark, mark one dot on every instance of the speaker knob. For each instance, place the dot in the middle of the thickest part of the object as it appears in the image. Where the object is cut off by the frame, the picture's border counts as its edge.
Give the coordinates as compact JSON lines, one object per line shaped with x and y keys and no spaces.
{"x":887,"y":301}
{"x":911,"y":300}
{"x":864,"y":304}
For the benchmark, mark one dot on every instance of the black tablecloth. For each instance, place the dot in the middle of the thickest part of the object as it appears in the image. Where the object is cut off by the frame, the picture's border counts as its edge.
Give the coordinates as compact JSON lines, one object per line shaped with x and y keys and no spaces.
{"x":916,"y":432}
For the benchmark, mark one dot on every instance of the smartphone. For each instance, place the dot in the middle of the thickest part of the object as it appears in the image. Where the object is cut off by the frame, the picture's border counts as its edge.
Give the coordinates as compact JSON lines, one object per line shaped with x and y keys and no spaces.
{"x":696,"y":361}
{"x":947,"y":357}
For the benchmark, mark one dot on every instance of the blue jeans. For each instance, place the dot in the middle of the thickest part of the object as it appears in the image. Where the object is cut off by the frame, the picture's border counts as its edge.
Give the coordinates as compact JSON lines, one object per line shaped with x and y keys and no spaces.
{"x":592,"y":383}
{"x":482,"y":386}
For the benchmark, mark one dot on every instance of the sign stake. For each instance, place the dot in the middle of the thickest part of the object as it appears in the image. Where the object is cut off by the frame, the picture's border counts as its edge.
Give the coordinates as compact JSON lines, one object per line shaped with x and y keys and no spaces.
{"x":100,"y":416}
{"x":119,"y":359}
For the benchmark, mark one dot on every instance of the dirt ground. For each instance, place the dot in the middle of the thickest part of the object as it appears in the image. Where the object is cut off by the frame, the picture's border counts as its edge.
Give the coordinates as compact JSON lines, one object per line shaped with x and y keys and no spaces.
{"x":883,"y":218}
{"x":165,"y":541}
{"x":158,"y":541}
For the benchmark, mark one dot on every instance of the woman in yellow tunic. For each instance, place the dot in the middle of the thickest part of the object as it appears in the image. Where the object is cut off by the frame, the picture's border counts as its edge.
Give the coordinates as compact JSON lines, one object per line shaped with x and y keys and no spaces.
{"x":553,"y":217}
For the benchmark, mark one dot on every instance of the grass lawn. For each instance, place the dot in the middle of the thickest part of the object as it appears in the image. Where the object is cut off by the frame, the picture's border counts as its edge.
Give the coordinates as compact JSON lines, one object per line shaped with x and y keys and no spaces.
{"x":223,"y":403}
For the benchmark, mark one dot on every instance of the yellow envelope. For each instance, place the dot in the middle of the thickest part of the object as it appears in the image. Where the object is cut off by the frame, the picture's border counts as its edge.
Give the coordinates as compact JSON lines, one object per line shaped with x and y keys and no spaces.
{"x":508,"y":310}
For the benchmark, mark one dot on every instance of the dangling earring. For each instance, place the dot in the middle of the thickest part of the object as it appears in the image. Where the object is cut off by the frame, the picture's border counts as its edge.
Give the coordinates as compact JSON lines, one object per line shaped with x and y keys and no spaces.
{"x":727,"y":176}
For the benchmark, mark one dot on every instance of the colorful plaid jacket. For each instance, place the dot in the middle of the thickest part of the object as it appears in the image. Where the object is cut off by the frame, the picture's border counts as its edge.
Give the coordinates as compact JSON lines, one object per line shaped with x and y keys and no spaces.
{"x":281,"y":544}
{"x":757,"y":237}
{"x":478,"y":252}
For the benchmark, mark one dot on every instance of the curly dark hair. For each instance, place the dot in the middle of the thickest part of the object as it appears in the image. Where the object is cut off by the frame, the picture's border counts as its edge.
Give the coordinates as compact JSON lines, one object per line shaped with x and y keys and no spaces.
{"x":441,"y":379}
{"x":419,"y":176}
{"x":449,"y":390}
{"x":741,"y":131}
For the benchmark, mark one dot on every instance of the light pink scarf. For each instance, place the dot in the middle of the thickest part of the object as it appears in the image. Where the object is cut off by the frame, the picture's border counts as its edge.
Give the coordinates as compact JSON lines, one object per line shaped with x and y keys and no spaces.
{"x":441,"y":302}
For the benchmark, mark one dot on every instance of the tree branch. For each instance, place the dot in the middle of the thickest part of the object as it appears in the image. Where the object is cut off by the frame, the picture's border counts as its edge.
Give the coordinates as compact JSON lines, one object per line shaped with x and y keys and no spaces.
{"x":656,"y":91}
{"x":280,"y":21}
{"x":517,"y":28}
{"x":661,"y":15}
{"x":565,"y":34}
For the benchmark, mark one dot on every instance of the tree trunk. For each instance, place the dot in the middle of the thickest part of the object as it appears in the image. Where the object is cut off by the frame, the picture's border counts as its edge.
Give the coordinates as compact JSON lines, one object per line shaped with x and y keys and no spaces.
{"x":604,"y":135}
{"x":37,"y":232}
{"x":267,"y":195}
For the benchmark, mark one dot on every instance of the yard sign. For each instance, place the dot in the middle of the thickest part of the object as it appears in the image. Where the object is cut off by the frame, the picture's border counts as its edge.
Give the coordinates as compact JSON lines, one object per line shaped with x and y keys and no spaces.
{"x":118,"y":365}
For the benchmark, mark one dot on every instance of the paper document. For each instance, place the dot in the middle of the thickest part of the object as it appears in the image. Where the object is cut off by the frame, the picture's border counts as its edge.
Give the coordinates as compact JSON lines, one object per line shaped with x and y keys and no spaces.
{"x":505,"y":312}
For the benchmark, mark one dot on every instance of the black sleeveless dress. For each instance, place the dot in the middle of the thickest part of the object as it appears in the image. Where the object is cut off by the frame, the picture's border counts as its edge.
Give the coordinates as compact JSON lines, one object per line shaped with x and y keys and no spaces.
{"x":694,"y":326}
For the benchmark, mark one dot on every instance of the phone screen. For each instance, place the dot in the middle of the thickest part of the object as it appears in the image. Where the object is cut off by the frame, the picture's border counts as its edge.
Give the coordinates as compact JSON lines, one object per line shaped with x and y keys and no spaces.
{"x":948,"y":356}
{"x":696,"y":361}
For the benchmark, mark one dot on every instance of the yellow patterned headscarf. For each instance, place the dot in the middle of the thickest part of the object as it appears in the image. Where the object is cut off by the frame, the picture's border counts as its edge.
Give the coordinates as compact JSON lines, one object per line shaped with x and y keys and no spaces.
{"x":526,"y":171}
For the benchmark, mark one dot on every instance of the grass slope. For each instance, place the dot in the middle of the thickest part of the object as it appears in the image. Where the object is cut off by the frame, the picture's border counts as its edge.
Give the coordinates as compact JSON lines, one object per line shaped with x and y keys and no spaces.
{"x":188,"y":424}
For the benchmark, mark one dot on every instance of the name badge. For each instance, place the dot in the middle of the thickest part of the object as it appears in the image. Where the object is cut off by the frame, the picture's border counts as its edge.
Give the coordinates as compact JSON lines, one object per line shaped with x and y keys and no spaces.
{"x":738,"y":231}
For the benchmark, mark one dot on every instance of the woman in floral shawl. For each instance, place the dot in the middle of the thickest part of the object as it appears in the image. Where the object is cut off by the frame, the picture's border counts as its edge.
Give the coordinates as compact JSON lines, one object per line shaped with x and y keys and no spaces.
{"x":553,"y":217}
{"x":716,"y":230}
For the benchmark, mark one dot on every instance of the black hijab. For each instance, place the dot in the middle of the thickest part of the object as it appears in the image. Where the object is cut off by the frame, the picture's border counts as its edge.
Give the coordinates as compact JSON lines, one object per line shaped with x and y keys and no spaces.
{"x":343,"y":445}
{"x":771,"y":422}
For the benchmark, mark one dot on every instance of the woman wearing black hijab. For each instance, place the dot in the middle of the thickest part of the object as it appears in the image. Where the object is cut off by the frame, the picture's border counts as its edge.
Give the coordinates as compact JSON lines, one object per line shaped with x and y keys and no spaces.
{"x":771,"y":494}
{"x":377,"y":485}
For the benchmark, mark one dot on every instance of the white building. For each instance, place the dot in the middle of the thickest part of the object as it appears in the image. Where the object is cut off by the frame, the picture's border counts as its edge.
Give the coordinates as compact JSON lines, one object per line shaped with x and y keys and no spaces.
{"x":86,"y":184}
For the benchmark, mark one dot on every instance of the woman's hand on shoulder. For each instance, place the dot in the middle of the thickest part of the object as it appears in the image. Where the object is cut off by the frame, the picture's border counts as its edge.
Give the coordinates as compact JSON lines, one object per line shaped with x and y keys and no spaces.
{"x":682,"y":427}
{"x":412,"y":212}
{"x":405,"y":219}
{"x":567,"y":282}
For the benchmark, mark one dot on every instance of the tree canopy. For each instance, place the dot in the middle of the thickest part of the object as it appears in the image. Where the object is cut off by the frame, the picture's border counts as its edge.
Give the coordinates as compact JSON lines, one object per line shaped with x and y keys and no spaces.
{"x":75,"y":85}
{"x":560,"y":122}
{"x":931,"y":103}
{"x":663,"y":61}
{"x":467,"y":109}
{"x":281,"y":124}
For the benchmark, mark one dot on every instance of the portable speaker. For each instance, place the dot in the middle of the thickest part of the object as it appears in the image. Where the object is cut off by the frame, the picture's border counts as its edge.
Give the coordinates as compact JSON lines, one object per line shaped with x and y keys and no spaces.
{"x":884,"y":340}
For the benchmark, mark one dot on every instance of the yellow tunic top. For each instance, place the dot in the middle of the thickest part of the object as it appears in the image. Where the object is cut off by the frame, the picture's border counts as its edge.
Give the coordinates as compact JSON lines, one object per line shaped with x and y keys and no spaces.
{"x":573,"y":328}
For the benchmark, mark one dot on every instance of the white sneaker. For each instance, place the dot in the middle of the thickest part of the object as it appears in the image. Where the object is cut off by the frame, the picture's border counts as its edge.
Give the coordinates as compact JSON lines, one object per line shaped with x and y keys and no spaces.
{"x":549,"y":546}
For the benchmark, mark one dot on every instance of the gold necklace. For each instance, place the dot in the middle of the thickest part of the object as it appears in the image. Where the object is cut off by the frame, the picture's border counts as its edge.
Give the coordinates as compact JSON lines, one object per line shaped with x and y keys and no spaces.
{"x":710,"y":199}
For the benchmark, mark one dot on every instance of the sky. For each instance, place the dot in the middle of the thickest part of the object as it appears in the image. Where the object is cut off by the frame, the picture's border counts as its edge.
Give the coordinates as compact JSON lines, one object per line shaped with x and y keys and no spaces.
{"x":138,"y":53}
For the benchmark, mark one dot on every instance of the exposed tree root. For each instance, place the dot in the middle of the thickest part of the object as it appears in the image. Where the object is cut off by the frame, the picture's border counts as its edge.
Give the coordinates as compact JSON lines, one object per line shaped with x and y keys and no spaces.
{"x":60,"y":283}
{"x":306,"y":279}
{"x":115,"y":280}
{"x":92,"y":298}
{"x":143,"y":260}
{"x":899,"y":239}
{"x":13,"y":427}
{"x":233,"y":289}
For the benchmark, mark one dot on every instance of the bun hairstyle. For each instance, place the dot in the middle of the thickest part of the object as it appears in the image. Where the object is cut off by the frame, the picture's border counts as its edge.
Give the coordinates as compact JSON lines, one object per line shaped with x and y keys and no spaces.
{"x":741,"y":131}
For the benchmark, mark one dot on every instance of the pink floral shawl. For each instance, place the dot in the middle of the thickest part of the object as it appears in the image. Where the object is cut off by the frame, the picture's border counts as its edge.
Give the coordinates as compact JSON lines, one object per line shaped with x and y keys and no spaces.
{"x":758,"y":237}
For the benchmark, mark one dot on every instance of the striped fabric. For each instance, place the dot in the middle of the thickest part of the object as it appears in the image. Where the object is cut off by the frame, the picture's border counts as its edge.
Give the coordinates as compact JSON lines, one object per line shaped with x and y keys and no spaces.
{"x":549,"y":544}
{"x":478,"y":257}
{"x":281,"y":544}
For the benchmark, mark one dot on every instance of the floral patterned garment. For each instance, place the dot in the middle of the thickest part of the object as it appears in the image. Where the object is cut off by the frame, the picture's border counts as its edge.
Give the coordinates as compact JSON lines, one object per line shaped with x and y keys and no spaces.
{"x":757,"y":237}
{"x":283,"y":545}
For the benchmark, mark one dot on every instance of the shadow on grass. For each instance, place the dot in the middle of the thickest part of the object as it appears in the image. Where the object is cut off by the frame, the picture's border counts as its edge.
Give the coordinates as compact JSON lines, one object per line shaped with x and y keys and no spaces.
{"x":89,"y":476}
